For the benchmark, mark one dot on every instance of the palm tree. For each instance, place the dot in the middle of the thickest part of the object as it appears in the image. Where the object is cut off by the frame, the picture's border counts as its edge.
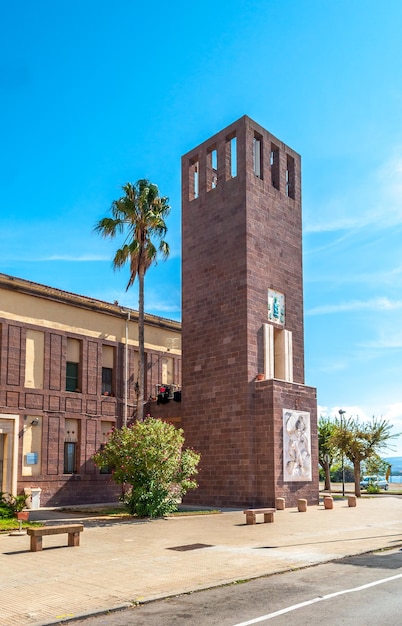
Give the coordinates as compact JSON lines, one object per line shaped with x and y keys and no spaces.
{"x":139,"y":215}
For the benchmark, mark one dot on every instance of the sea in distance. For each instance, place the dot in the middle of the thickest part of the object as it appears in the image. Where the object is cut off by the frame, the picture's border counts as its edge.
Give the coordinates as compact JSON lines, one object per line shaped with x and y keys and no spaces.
{"x":395,"y":479}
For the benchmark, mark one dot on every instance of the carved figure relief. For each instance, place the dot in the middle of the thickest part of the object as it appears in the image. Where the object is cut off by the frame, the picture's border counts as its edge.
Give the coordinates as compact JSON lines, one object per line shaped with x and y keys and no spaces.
{"x":296,"y":446}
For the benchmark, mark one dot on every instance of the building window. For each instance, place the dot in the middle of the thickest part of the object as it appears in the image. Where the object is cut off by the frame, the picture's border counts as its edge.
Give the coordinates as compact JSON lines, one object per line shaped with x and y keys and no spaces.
{"x":107,"y":379}
{"x":233,"y":157}
{"x":274,"y":163}
{"x":194,"y":179}
{"x":257,"y":156}
{"x":71,"y":446}
{"x":70,"y":457}
{"x":71,"y":376}
{"x":290,"y":176}
{"x":73,"y":365}
{"x":212,"y":169}
{"x":107,"y":370}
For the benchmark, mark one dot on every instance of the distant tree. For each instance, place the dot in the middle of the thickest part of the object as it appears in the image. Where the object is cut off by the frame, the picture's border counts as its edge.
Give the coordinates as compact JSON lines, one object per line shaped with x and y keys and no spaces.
{"x":361,"y":441}
{"x":149,"y":459}
{"x":376,"y":465}
{"x":326,"y":449}
{"x":339,"y":473}
{"x":139,"y":215}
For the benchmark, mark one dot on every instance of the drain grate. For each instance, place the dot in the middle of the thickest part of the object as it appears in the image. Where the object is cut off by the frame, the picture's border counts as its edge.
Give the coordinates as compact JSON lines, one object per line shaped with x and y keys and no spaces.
{"x":191,"y":546}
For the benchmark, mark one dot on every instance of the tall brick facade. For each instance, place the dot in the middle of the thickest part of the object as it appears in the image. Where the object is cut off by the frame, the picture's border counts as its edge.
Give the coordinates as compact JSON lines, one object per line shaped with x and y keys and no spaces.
{"x":242,"y":237}
{"x":39,"y":415}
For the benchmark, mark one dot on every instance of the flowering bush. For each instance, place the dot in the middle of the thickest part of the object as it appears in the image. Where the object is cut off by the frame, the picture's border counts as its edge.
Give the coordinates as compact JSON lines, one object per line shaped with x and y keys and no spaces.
{"x":148,"y":458}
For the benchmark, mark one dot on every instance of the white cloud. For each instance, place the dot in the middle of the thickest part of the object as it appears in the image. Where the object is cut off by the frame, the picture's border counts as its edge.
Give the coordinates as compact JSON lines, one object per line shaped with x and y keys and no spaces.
{"x":350,"y":411}
{"x":377,"y":304}
{"x":392,"y":413}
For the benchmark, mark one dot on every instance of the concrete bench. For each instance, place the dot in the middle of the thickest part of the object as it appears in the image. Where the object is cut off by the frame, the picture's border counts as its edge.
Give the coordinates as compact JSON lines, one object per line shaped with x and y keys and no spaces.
{"x":251,"y":515}
{"x":73,"y":531}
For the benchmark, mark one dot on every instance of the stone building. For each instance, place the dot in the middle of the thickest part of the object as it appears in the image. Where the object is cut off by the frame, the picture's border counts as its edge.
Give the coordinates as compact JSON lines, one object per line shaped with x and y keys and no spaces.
{"x":246,"y":407}
{"x":68,"y":367}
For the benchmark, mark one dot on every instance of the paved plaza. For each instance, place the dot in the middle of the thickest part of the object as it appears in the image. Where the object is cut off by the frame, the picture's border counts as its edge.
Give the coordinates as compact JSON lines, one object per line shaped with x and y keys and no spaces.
{"x":123,"y":562}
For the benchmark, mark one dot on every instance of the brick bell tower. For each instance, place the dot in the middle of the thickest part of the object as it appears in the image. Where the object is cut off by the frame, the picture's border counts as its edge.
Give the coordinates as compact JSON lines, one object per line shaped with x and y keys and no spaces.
{"x":245,"y":405}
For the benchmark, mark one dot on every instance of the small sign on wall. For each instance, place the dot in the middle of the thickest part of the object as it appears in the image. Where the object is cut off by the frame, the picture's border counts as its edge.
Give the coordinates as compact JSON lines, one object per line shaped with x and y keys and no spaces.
{"x":296,"y":446}
{"x":31,"y":458}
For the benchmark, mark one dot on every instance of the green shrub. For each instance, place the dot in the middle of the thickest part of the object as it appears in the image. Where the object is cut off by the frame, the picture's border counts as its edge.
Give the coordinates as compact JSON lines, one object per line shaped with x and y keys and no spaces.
{"x":149,"y":460}
{"x":373,"y":488}
{"x":5,"y":511}
{"x":10,"y":504}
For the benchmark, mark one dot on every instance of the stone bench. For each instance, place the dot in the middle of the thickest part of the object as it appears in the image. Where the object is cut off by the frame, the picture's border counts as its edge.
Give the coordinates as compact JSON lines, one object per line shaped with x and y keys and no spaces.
{"x":251,"y":515}
{"x":73,"y":531}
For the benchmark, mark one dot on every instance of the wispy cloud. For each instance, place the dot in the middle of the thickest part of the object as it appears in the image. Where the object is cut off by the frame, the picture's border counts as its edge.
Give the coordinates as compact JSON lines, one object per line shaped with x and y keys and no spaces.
{"x":387,"y":276}
{"x":393,"y":341}
{"x":334,"y":365}
{"x":375,"y":305}
{"x":74,"y":258}
{"x":376,"y":201}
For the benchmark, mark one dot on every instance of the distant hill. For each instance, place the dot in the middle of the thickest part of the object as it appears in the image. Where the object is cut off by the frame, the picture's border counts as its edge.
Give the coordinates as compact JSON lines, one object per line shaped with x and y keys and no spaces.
{"x":396,"y":464}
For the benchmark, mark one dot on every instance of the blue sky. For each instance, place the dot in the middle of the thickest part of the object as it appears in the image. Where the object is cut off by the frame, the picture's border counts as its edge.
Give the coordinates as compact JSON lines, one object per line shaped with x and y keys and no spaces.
{"x":94,"y":94}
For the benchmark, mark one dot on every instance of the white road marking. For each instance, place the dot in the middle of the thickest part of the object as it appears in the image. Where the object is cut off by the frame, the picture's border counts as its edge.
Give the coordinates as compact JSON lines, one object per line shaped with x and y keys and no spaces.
{"x":294,"y":607}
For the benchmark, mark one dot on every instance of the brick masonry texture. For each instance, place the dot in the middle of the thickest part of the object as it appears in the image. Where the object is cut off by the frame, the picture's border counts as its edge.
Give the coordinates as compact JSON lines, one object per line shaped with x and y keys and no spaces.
{"x":53,"y":405}
{"x":240,"y":239}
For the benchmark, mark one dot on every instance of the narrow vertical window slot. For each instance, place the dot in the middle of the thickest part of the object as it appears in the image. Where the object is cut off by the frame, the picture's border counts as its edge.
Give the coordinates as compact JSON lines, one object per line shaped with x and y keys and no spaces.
{"x":290,"y":176}
{"x":233,"y":157}
{"x":257,"y":156}
{"x":194,"y":179}
{"x":274,"y":164}
{"x":212,"y":169}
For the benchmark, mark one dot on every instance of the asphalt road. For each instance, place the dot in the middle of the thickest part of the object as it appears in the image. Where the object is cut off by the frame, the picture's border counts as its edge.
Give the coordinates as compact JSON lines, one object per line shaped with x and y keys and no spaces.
{"x":365,"y":589}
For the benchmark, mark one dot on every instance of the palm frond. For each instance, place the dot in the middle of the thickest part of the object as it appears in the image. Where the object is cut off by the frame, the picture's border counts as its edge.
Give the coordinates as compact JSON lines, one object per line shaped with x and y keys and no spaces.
{"x":139,"y":215}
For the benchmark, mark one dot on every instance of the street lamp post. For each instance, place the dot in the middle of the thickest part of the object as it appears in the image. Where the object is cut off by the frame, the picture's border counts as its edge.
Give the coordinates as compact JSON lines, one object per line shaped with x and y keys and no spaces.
{"x":342,"y":413}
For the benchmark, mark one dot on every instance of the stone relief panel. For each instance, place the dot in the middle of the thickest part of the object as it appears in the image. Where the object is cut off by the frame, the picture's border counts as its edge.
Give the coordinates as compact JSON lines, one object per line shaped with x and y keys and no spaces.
{"x":296,"y":446}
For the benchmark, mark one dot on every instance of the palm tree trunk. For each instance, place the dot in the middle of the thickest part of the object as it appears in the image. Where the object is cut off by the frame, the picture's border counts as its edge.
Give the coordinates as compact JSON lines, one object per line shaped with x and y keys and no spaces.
{"x":141,"y":346}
